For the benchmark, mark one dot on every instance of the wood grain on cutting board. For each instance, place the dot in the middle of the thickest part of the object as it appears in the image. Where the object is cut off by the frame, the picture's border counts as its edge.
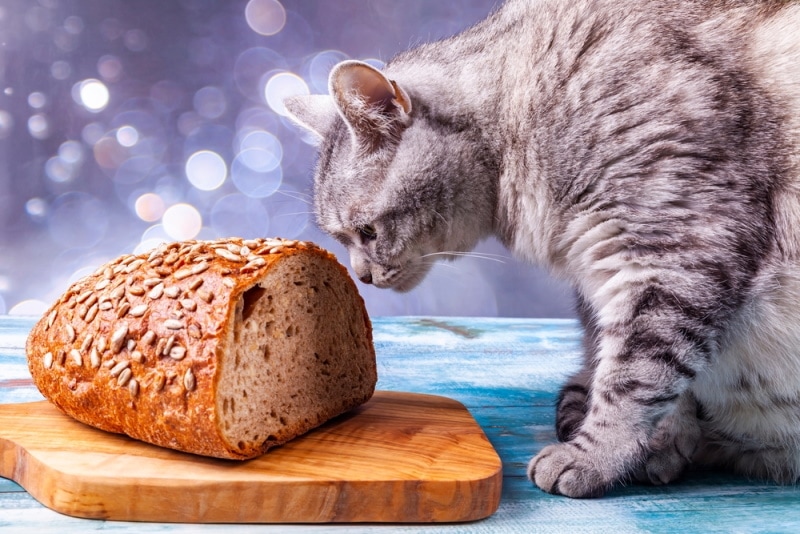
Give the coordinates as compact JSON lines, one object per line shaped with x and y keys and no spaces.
{"x":402,"y":457}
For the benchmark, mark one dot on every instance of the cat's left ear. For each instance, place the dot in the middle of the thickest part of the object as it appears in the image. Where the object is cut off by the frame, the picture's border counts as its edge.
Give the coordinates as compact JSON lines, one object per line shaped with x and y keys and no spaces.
{"x":374,"y":106}
{"x":315,"y":113}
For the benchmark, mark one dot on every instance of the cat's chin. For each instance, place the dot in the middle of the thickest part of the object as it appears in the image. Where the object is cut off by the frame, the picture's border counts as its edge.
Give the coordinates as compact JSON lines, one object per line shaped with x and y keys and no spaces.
{"x":403,"y":282}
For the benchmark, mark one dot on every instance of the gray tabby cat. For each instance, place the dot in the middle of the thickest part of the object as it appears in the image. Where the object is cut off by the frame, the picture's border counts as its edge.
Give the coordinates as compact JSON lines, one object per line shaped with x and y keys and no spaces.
{"x":649,"y":153}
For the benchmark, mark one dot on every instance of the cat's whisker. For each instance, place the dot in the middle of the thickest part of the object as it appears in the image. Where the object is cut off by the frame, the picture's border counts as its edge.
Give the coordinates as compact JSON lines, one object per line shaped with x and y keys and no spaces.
{"x":296,"y":213}
{"x":295,"y":195}
{"x":478,"y":255}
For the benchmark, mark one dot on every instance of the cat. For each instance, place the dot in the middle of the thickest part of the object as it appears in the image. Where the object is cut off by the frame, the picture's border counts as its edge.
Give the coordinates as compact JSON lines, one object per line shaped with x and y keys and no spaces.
{"x":646,"y":152}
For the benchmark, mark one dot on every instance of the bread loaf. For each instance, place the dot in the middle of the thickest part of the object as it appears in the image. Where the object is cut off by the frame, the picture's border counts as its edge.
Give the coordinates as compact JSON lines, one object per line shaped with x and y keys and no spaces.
{"x":220,"y":348}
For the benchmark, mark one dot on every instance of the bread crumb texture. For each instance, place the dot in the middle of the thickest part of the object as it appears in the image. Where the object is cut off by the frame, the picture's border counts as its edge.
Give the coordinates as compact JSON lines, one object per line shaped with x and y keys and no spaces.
{"x":222,"y":348}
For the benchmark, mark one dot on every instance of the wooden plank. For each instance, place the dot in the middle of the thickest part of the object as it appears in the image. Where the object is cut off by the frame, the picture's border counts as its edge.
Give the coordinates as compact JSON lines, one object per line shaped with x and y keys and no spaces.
{"x":401,"y":457}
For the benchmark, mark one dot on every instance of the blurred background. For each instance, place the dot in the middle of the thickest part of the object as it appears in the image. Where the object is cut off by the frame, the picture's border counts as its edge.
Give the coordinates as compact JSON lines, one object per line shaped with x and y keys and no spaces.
{"x":126,"y":123}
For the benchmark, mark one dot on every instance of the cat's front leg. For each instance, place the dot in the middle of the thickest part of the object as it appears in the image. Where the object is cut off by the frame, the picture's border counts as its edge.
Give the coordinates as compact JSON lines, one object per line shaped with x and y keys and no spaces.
{"x":651,"y":344}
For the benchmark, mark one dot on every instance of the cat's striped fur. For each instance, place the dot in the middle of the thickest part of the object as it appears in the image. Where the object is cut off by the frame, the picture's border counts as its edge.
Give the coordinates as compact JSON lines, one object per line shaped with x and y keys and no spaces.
{"x":647,"y":152}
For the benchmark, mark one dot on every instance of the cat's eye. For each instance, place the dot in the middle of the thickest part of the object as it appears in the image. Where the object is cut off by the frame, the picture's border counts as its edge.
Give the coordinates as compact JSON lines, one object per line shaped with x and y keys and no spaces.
{"x":367,"y":232}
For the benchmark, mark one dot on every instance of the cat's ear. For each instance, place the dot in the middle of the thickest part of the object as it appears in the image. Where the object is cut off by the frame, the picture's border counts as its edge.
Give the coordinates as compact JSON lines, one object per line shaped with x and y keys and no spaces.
{"x":315,"y":113}
{"x":372,"y":105}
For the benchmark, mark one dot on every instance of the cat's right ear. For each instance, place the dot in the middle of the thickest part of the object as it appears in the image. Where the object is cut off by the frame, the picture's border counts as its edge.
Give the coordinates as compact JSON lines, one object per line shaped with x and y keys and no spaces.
{"x":315,"y":113}
{"x":372,"y":105}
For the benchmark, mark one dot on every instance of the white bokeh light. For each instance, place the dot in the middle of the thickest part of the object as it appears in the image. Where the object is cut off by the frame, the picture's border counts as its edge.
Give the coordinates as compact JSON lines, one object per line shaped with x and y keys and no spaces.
{"x":149,"y":207}
{"x":182,"y":222}
{"x":37,"y":100}
{"x":206,"y":170}
{"x":39,"y":126}
{"x":71,"y":152}
{"x":127,"y":136}
{"x":92,"y":94}
{"x":265,"y":17}
{"x":281,"y":86}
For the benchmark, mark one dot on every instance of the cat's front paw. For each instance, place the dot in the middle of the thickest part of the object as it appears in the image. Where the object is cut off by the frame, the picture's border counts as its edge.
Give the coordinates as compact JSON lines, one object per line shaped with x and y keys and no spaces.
{"x":564,"y":469}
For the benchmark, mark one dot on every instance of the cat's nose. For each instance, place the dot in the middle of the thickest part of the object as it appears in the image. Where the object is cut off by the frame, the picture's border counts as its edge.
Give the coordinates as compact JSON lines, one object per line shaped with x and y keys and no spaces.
{"x":366,"y":278}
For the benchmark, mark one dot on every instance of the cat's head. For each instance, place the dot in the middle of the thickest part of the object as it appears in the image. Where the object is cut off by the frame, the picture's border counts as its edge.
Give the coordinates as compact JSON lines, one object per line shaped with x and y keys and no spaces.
{"x":393,"y":185}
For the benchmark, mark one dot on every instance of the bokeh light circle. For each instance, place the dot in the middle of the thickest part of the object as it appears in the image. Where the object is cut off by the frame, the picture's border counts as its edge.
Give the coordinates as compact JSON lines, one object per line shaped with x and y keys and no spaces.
{"x":182,"y":222}
{"x":92,"y":94}
{"x":71,"y":152}
{"x":255,"y":182}
{"x":149,"y":207}
{"x":37,"y":100}
{"x":127,"y":136}
{"x":206,"y":170}
{"x":265,"y":17}
{"x":281,"y":86}
{"x":260,"y":150}
{"x":39,"y":126}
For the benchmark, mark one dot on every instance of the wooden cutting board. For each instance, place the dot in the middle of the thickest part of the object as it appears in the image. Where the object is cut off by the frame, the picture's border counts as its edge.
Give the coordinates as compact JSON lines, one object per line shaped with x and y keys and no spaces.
{"x":401,"y":457}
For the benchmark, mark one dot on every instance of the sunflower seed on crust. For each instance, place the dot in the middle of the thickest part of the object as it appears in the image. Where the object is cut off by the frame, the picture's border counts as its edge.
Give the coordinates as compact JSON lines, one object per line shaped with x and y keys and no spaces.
{"x":47,"y":360}
{"x":94,"y":358}
{"x":189,"y":381}
{"x":118,"y":368}
{"x":228,"y":255}
{"x":87,"y":342}
{"x":168,"y":345}
{"x":182,"y":273}
{"x":75,"y":354}
{"x":124,"y":376}
{"x":123,"y":309}
{"x":159,"y":381}
{"x":156,"y":292}
{"x":138,"y":311}
{"x":173,"y":324}
{"x":177,"y":352}
{"x":70,"y":333}
{"x":172,"y":292}
{"x":136,"y":291}
{"x":200,"y":267}
{"x":102,"y":284}
{"x":118,"y":338}
{"x":148,"y":338}
{"x":92,"y":313}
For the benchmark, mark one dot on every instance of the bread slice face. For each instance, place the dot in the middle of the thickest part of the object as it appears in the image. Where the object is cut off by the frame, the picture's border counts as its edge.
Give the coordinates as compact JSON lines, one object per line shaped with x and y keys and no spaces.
{"x":293,"y":359}
{"x":221,"y":348}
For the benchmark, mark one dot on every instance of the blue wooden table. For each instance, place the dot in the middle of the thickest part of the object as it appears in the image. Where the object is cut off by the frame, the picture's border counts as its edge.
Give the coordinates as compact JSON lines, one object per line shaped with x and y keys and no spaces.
{"x":507,"y":372}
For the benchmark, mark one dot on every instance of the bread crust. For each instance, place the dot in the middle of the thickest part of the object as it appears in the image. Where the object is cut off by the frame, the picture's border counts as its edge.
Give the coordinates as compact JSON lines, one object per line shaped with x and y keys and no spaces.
{"x":135,"y":347}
